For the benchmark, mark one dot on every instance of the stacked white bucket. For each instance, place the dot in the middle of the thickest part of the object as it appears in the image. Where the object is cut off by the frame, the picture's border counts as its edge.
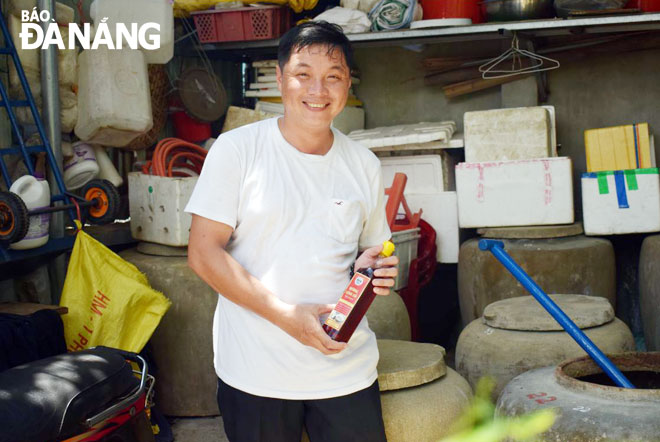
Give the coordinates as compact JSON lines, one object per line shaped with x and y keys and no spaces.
{"x":512,"y":175}
{"x":430,"y":186}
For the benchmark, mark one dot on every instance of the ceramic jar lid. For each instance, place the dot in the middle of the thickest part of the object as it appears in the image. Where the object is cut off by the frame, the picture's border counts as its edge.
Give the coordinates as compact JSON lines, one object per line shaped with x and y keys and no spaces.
{"x":525,"y":313}
{"x":406,"y":364}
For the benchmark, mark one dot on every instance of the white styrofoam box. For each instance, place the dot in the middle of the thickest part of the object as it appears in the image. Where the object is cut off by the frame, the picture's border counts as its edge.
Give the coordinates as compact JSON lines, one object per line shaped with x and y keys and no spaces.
{"x":622,"y":201}
{"x":515,"y":193}
{"x":440,"y":210}
{"x":509,"y":134}
{"x":427,"y":174}
{"x":405,"y":134}
{"x":456,"y":142}
{"x":406,"y":243}
{"x":156,"y":206}
{"x":553,"y":129}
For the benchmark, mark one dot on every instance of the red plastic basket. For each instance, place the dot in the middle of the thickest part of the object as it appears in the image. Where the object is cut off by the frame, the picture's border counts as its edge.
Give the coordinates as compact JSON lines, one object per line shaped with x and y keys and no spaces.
{"x":238,"y":24}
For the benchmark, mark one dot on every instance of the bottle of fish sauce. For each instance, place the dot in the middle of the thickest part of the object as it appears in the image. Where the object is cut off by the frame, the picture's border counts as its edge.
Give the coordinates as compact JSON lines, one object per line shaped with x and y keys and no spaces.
{"x":354,"y":302}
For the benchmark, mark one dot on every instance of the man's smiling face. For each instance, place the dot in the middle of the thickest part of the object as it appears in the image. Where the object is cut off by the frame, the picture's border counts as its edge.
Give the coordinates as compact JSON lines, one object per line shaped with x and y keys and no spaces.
{"x":314,"y":85}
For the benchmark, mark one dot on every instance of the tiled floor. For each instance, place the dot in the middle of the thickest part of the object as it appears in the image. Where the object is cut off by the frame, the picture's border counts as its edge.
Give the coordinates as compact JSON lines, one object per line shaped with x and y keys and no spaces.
{"x":198,"y":429}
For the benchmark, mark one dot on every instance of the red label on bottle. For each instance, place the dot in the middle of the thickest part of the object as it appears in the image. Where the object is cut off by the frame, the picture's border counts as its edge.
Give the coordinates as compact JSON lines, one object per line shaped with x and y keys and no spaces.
{"x":347,"y":301}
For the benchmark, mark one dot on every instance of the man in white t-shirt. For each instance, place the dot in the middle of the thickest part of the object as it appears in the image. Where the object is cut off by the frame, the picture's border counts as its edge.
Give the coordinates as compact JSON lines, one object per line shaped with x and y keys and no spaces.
{"x":281,"y":210}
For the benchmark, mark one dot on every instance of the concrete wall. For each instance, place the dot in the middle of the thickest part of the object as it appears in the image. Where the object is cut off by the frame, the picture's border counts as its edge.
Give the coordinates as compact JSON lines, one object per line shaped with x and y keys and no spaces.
{"x":598,"y":92}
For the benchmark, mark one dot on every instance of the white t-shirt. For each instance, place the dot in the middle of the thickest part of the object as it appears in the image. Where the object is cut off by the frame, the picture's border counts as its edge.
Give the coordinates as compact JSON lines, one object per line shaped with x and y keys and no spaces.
{"x":298,"y":220}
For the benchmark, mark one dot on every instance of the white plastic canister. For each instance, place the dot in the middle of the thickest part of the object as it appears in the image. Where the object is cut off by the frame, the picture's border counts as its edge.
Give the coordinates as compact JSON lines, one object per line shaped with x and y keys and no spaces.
{"x":140,"y":12}
{"x":81,"y":167}
{"x":107,"y":170}
{"x":35,"y":194}
{"x":114,"y":100}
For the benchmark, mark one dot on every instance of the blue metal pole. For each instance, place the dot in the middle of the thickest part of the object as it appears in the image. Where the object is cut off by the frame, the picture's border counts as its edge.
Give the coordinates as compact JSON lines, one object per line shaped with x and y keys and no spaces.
{"x":497,"y":249}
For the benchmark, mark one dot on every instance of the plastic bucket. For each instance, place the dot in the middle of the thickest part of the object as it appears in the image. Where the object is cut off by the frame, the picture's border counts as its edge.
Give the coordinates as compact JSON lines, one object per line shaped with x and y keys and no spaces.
{"x":435,"y":9}
{"x":645,"y":5}
{"x":189,"y":129}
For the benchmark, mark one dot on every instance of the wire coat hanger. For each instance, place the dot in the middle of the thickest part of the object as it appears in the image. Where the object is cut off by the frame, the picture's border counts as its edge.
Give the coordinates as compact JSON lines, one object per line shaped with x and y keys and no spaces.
{"x":522,"y":62}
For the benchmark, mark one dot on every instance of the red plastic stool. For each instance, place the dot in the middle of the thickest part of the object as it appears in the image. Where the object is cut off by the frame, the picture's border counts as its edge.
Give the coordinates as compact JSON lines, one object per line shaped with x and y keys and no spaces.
{"x":396,"y":199}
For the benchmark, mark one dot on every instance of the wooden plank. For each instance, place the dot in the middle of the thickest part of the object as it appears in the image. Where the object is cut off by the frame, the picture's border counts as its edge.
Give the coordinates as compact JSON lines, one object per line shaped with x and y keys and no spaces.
{"x":469,"y":86}
{"x":27,"y":308}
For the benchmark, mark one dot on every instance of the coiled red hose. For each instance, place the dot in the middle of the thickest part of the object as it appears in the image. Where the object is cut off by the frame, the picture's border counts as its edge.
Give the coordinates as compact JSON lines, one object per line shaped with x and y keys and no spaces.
{"x":173,"y":153}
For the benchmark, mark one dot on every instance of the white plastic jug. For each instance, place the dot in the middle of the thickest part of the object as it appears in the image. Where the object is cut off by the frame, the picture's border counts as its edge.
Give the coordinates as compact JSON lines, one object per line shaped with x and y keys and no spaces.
{"x":140,"y":12}
{"x":114,"y":100}
{"x":82,"y":167}
{"x":35,"y":194}
{"x":107,"y":170}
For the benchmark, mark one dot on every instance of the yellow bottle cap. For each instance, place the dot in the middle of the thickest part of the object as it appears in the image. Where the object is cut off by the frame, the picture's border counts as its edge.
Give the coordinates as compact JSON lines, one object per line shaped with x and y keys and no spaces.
{"x":388,"y":249}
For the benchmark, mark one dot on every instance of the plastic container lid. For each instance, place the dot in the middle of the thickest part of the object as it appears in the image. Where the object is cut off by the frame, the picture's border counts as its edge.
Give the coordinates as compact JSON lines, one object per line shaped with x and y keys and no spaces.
{"x":404,"y":364}
{"x":524,"y":313}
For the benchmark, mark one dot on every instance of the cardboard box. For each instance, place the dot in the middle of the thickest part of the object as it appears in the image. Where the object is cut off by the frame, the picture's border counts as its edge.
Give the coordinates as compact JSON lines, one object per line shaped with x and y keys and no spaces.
{"x":515,"y":193}
{"x":621,"y":201}
{"x":619,"y":148}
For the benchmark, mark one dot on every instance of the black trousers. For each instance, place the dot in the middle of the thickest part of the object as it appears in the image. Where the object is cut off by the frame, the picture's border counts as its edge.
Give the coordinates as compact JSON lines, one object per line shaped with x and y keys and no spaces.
{"x":355,"y":417}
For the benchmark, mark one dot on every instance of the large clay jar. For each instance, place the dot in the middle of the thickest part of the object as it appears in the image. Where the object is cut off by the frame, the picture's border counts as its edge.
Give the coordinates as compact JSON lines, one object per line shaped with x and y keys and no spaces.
{"x":649,"y":291}
{"x":182,"y":344}
{"x":516,"y":335}
{"x":589,"y":406}
{"x":574,"y":264}
{"x":420,"y":396}
{"x":388,"y":317}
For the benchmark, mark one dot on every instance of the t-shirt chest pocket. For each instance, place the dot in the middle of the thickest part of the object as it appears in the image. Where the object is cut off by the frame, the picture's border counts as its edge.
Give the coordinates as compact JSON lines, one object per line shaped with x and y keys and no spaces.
{"x":343,"y":219}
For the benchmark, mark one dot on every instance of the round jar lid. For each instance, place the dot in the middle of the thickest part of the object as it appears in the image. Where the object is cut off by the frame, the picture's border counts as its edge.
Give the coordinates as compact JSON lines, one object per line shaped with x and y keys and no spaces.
{"x":532,"y":232}
{"x":525,"y":313}
{"x":405,"y":364}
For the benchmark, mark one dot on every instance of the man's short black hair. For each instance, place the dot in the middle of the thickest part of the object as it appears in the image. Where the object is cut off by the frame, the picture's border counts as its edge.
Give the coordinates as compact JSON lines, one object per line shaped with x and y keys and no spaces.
{"x":314,"y":33}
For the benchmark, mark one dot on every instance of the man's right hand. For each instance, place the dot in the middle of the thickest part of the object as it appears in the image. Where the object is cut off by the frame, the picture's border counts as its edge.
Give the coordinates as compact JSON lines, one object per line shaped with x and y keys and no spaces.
{"x":303,"y":323}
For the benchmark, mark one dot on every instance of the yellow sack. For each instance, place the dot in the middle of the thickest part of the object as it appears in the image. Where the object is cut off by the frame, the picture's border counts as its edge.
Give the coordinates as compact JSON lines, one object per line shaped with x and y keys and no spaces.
{"x":183,"y":8}
{"x":110,"y":301}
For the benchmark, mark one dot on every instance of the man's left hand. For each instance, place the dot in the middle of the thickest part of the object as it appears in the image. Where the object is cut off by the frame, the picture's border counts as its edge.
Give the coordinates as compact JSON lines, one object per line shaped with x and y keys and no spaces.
{"x":384,"y":268}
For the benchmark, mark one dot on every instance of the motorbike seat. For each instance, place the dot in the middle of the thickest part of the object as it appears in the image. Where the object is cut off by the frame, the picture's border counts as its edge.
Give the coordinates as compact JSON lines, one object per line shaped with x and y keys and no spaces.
{"x":50,"y":398}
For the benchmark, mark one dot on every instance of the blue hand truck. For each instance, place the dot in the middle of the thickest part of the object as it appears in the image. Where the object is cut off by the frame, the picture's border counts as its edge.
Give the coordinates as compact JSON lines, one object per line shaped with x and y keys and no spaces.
{"x":99,"y":199}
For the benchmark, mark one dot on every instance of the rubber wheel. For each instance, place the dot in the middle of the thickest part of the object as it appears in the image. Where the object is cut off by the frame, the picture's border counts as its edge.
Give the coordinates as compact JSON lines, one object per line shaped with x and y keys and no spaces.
{"x":14,"y":218}
{"x":107,"y":206}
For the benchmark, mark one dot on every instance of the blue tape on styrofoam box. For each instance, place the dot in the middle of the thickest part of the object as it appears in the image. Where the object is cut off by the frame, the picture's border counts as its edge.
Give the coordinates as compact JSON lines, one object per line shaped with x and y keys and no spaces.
{"x":620,"y":182}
